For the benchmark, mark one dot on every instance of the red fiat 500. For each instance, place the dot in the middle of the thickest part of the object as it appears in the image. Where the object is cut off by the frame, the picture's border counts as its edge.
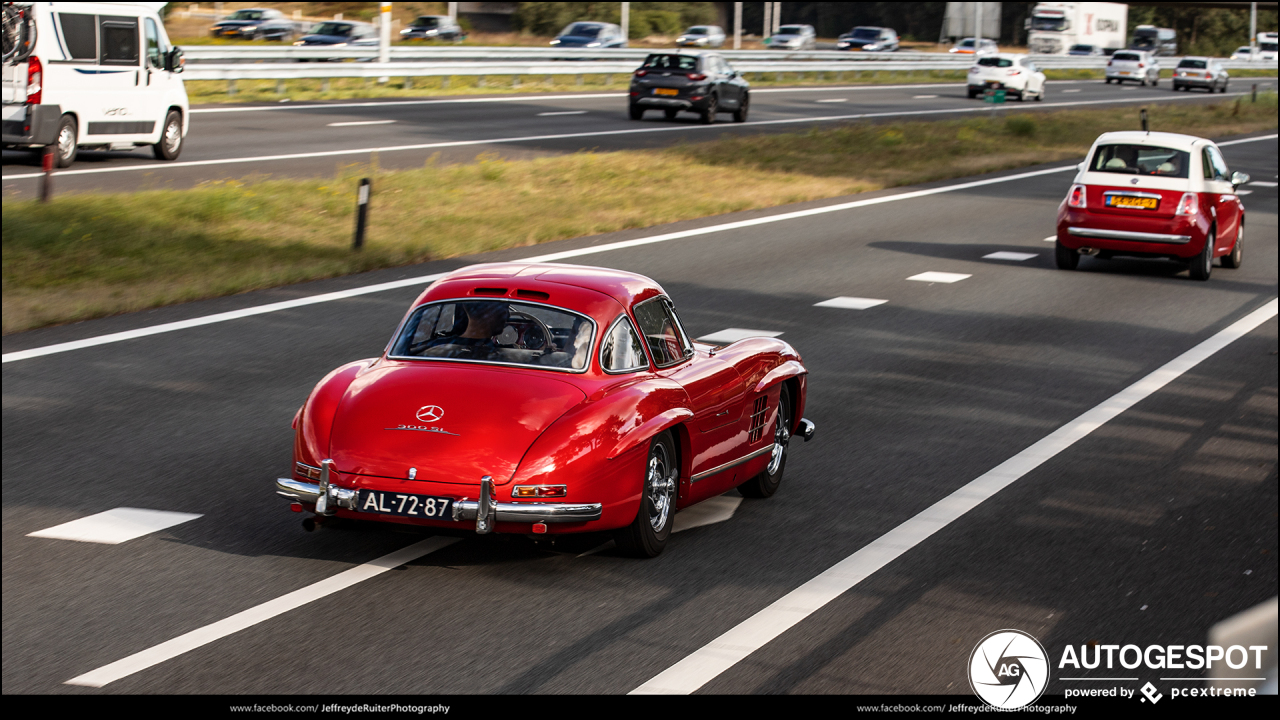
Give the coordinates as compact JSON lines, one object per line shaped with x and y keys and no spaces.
{"x":1153,"y":195}
{"x":541,"y":398}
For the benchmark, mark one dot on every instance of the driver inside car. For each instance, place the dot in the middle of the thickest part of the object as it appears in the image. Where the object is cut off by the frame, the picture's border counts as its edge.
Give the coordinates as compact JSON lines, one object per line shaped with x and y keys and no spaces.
{"x":484,"y":321}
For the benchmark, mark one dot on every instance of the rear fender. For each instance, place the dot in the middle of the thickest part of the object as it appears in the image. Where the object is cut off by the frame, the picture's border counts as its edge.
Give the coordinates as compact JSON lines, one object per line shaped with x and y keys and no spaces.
{"x":314,"y":420}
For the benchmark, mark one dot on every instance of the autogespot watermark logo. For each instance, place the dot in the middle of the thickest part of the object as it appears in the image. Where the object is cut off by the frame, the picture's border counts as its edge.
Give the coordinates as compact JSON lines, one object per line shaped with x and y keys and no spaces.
{"x":1008,"y":669}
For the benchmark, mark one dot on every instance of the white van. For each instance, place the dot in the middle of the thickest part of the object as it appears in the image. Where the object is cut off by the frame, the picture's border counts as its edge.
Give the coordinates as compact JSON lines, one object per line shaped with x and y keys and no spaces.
{"x":94,"y":76}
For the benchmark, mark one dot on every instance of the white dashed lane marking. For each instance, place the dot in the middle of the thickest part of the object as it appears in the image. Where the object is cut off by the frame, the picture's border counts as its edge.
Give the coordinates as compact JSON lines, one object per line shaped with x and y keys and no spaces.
{"x":115,"y":526}
{"x":563,"y":112}
{"x":1051,"y":238}
{"x":939,"y":277}
{"x":1010,"y":256}
{"x":923,"y":97}
{"x":1242,"y":191}
{"x":1263,"y":183}
{"x":733,"y":335}
{"x":850,"y":303}
{"x":361,"y":122}
{"x":1072,"y":90}
{"x":832,"y":100}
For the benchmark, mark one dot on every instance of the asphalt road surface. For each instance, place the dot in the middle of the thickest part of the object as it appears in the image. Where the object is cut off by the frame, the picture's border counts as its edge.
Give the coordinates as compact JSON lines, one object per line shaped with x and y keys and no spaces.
{"x":1150,"y":529}
{"x":314,"y":140}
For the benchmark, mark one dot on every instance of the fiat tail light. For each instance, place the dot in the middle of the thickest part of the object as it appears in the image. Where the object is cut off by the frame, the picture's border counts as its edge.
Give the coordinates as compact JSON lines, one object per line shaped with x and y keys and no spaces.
{"x":35,"y":80}
{"x":1075,"y":198}
{"x":1189,"y":204}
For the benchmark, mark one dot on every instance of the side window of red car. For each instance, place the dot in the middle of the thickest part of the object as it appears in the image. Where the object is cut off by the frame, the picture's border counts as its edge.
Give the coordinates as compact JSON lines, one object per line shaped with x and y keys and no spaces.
{"x":621,"y":350}
{"x":662,"y":332}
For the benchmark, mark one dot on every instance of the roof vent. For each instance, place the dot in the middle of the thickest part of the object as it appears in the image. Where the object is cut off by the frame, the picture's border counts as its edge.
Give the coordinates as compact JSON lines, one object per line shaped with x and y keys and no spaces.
{"x":489,"y":291}
{"x":533,"y":294}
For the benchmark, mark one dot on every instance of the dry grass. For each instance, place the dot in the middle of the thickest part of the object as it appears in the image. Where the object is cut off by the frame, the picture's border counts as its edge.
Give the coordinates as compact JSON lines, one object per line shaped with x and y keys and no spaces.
{"x":85,"y":256}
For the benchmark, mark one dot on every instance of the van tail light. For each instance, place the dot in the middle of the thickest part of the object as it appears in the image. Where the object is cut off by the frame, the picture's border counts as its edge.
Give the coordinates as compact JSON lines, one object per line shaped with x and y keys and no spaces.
{"x":35,"y":80}
{"x":697,"y":77}
{"x":1075,"y":198}
{"x":641,"y":73}
{"x":1189,"y":204}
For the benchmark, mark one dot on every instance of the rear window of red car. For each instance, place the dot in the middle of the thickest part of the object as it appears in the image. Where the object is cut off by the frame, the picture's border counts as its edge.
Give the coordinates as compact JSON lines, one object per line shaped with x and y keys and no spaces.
{"x":497,"y":331}
{"x":1140,"y":160}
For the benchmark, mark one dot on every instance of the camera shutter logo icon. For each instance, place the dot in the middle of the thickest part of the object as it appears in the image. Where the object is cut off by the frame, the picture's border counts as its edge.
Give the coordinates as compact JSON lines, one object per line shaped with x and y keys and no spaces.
{"x":1008,"y":669}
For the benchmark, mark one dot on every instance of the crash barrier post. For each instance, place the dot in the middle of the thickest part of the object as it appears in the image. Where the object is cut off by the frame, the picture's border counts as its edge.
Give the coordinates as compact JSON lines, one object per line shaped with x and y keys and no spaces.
{"x":362,"y":213}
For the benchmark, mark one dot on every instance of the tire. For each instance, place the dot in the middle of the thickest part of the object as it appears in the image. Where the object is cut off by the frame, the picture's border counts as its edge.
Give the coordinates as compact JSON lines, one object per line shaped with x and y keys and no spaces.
{"x":1201,"y":266}
{"x":670,"y":113}
{"x":766,"y":483}
{"x":1108,"y":81}
{"x":64,"y":149}
{"x":713,"y":107}
{"x":1233,"y":259}
{"x":647,"y":535}
{"x":1224,"y":89}
{"x":972,"y":93}
{"x":170,"y":145}
{"x":1142,"y":82}
{"x":636,"y":112}
{"x":740,"y":115}
{"x":1040,"y":95}
{"x":1065,"y":257}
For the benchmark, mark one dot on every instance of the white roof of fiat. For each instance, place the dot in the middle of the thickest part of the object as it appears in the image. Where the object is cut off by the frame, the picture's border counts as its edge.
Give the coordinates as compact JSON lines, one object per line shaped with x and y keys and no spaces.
{"x":1175,"y":141}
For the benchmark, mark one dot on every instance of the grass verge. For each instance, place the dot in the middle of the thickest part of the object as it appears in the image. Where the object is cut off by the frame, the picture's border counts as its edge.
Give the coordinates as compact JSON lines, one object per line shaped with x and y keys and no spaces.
{"x":85,"y":256}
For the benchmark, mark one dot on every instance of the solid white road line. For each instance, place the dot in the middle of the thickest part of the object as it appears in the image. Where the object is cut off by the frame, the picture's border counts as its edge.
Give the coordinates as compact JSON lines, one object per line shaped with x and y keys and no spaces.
{"x":1051,"y":238}
{"x":1010,"y":256}
{"x":1261,"y":183}
{"x":939,"y":277}
{"x":733,"y":335}
{"x":156,"y":167}
{"x":562,"y":112}
{"x":115,"y":526}
{"x":850,"y":303}
{"x":724,"y":652}
{"x":550,"y":257}
{"x":930,"y":97}
{"x":248,"y":618}
{"x":361,"y":122}
{"x":832,"y":100}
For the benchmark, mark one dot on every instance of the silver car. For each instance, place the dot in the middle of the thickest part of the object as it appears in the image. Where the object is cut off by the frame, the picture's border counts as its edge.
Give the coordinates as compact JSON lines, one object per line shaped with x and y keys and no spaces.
{"x":1200,"y":72}
{"x":793,"y":37}
{"x":1137,"y":66}
{"x":710,"y":36}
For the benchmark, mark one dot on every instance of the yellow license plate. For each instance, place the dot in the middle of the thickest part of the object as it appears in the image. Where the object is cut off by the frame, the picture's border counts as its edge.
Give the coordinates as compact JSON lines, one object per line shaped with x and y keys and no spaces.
{"x":1141,"y":203}
{"x":665,"y":91}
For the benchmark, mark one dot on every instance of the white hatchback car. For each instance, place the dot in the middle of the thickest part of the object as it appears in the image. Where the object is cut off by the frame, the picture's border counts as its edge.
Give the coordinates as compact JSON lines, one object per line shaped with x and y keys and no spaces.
{"x":1016,"y":74}
{"x":1138,"y":66}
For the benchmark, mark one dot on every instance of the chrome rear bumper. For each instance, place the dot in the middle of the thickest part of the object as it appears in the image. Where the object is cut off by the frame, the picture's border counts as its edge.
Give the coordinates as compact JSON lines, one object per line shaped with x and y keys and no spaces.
{"x":1129,"y":235}
{"x":485,"y":511}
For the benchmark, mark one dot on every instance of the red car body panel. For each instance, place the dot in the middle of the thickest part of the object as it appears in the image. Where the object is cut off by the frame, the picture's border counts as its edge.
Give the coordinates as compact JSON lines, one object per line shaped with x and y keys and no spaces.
{"x":588,"y":430}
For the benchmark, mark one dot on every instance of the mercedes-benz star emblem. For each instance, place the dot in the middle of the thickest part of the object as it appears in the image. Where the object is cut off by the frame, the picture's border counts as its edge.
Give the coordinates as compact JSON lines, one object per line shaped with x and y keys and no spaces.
{"x":430,"y":413}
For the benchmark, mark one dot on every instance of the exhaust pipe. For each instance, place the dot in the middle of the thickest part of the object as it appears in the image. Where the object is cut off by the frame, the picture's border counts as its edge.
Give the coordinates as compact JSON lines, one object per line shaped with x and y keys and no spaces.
{"x":1088,"y":251}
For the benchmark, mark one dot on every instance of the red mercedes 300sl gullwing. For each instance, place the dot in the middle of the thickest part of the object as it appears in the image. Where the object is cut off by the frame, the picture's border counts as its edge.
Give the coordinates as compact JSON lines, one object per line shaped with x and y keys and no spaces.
{"x":542,"y":399}
{"x":1153,"y":195}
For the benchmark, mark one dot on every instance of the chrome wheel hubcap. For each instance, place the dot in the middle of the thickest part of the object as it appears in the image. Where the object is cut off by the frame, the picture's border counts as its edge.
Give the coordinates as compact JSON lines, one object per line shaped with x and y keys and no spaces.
{"x":780,"y":439}
{"x":172,"y":136}
{"x":66,"y":142}
{"x":660,"y":484}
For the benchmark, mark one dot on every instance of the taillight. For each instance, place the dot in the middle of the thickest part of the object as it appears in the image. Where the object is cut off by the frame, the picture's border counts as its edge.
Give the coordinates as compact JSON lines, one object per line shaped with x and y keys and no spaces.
{"x":1075,"y":198}
{"x":1141,"y":65}
{"x":641,"y":73}
{"x":697,"y":77}
{"x":1015,"y":72}
{"x":1189,"y":204}
{"x":35,"y":80}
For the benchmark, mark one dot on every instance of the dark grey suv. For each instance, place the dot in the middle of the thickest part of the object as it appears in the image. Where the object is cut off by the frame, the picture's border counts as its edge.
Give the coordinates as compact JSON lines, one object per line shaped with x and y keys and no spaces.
{"x":702,"y":83}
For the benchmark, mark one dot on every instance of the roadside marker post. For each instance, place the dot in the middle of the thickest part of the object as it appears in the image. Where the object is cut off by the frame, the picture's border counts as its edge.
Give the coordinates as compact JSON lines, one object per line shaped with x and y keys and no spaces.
{"x":1146,"y":127}
{"x":46,"y":182}
{"x":362,"y":213}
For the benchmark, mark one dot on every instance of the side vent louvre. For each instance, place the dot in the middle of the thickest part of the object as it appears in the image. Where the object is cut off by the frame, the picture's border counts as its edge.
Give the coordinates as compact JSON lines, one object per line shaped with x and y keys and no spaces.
{"x":490,"y":291}
{"x":757,"y":419}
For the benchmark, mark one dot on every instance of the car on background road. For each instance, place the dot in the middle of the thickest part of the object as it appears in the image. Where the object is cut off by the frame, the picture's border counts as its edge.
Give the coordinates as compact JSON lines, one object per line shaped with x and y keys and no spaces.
{"x":340,"y":33}
{"x":793,"y":37}
{"x":1085,"y":50}
{"x":1157,"y":194}
{"x":1138,"y":66}
{"x":590,"y":35}
{"x":1246,"y":53}
{"x":434,"y":27}
{"x":256,"y":24}
{"x":702,"y":83}
{"x":1016,"y":74}
{"x":1200,"y":72}
{"x":966,"y":47}
{"x":709,"y":36}
{"x":869,"y":39}
{"x":541,"y":399}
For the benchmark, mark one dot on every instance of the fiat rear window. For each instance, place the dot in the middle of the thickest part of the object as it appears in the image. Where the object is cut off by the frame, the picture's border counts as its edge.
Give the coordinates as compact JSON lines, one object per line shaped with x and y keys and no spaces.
{"x":498,"y":332}
{"x":1140,"y":160}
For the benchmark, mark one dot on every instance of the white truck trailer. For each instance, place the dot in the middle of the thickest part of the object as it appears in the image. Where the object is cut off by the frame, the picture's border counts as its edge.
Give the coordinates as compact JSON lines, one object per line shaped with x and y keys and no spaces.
{"x":1056,"y":26}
